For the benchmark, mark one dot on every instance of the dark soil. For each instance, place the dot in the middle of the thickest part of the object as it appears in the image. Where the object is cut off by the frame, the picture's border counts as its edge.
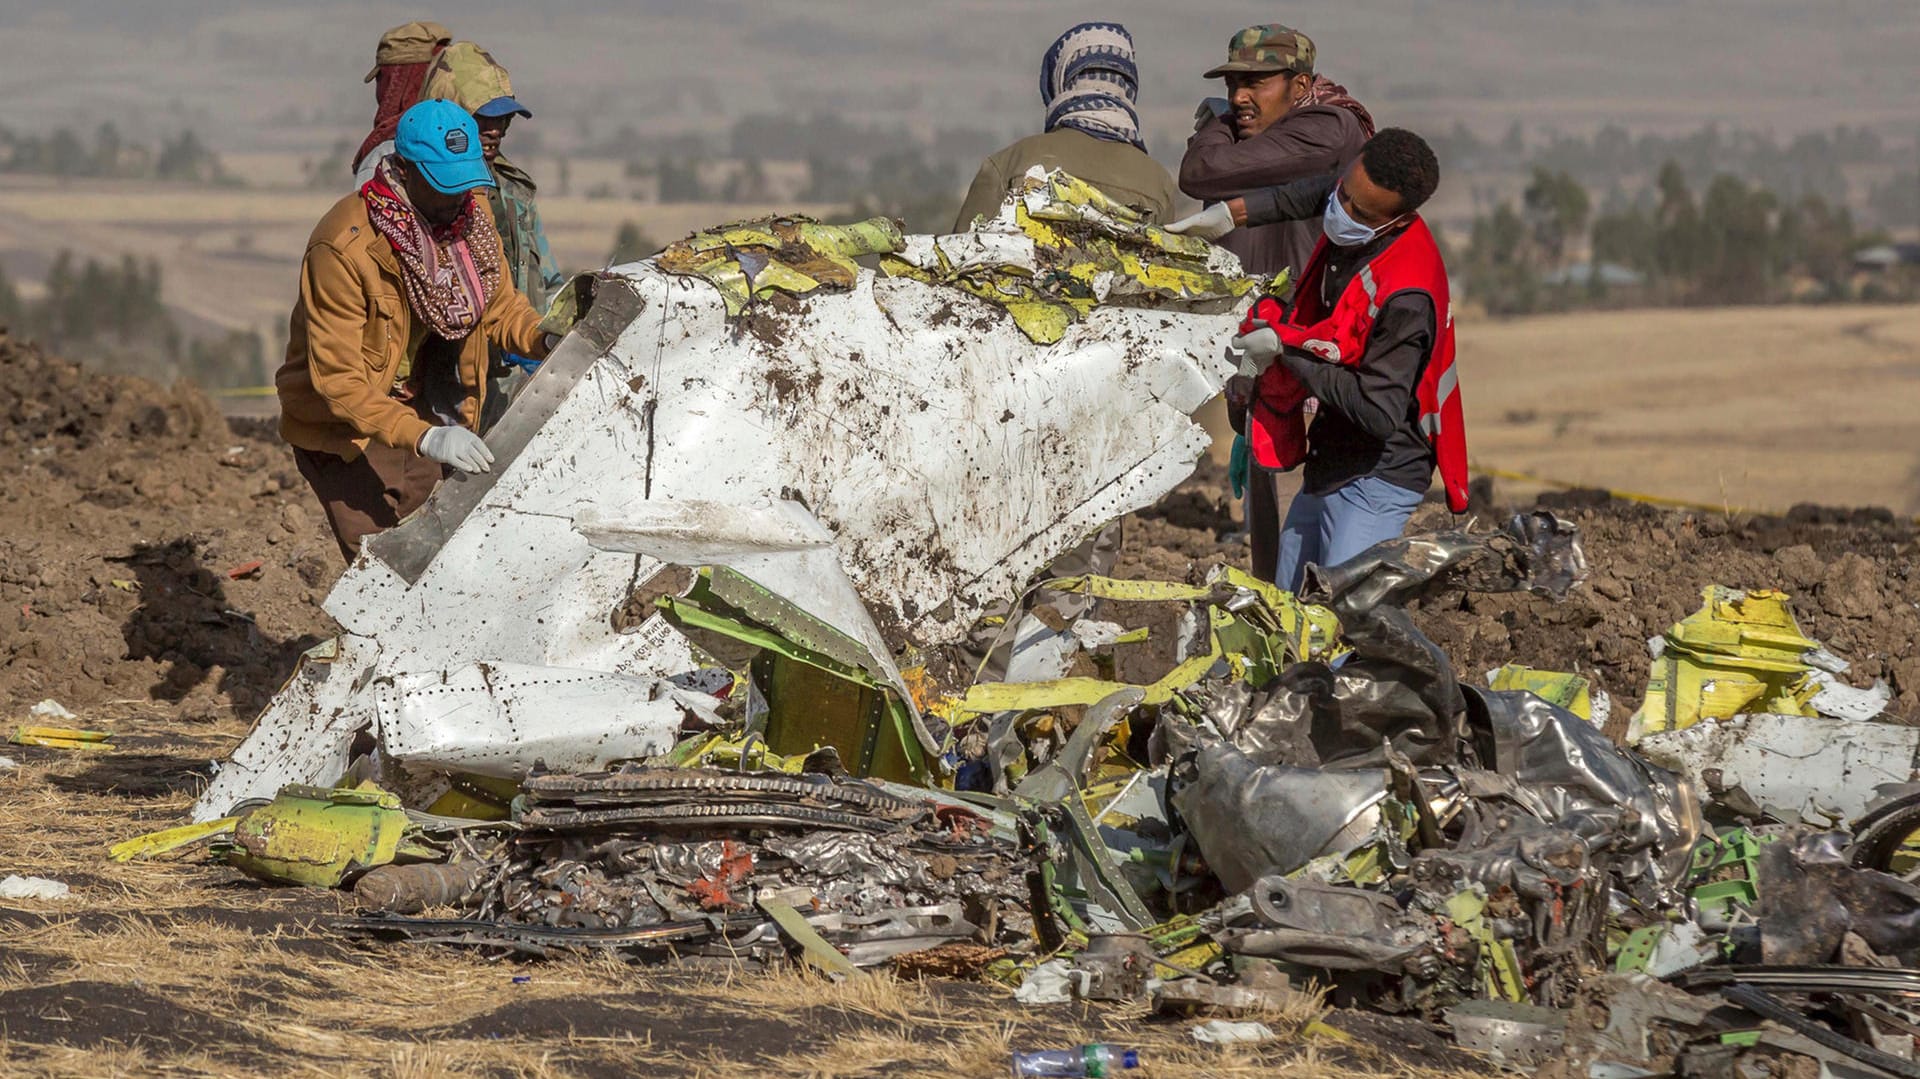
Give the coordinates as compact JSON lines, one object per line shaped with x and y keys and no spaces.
{"x":124,"y":508}
{"x":1852,"y":576}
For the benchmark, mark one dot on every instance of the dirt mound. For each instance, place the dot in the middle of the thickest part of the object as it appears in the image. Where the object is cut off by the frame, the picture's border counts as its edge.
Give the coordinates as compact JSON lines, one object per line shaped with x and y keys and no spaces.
{"x":1851,"y":573}
{"x":133,"y":515}
{"x":1851,"y":576}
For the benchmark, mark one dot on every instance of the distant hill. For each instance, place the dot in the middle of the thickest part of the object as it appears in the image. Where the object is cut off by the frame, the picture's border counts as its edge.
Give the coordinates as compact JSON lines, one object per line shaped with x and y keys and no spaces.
{"x":285,"y":74}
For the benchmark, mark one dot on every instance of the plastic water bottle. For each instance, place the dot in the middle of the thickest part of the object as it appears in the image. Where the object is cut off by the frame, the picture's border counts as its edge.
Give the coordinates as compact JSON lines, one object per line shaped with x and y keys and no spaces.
{"x":1088,"y":1060}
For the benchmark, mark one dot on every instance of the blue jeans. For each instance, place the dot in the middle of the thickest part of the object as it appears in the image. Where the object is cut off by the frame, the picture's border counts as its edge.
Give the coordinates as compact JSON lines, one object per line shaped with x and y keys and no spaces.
{"x":1328,"y":529}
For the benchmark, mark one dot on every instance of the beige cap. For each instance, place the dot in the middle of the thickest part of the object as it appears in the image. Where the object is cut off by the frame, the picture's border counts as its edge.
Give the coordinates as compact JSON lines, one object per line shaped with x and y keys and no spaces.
{"x":412,"y":43}
{"x":468,"y":76}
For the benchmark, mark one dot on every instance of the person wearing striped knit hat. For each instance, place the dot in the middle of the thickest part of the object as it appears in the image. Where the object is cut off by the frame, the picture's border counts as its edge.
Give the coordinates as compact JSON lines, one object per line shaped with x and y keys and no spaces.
{"x":1089,"y":85}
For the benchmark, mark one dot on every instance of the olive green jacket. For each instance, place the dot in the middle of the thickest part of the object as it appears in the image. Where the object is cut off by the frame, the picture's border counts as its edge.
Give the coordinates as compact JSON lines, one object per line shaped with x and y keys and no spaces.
{"x":523,"y":241}
{"x":1121,"y":171}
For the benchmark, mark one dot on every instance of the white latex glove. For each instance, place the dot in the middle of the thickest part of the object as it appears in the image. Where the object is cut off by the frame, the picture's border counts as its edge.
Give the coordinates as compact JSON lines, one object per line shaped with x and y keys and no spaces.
{"x":1256,"y":350}
{"x":1209,"y":224}
{"x":458,"y":447}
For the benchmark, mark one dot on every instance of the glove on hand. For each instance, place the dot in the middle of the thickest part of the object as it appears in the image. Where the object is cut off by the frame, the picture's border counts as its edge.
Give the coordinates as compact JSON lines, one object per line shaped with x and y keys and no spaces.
{"x":1209,"y":224}
{"x":458,"y":447}
{"x":1257,"y":350}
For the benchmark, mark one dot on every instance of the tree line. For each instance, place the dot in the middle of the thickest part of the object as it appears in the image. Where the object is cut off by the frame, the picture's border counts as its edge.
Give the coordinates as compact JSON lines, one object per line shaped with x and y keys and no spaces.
{"x":108,"y":154}
{"x":1737,"y":242}
{"x":112,"y":314}
{"x":1612,"y":160}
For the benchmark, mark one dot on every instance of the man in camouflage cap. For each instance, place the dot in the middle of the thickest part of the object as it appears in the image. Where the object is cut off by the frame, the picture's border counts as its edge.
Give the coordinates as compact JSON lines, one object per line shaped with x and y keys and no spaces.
{"x":467,"y":75}
{"x":1280,"y":121}
{"x":399,"y":67}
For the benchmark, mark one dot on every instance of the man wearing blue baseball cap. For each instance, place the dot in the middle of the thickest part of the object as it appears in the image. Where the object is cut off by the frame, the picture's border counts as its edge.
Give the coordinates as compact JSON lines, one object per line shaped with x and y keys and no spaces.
{"x":402,"y":290}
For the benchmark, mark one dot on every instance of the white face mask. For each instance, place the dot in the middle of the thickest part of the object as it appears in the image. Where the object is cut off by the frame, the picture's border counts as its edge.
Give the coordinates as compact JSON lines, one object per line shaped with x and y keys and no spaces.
{"x":1341,"y":228}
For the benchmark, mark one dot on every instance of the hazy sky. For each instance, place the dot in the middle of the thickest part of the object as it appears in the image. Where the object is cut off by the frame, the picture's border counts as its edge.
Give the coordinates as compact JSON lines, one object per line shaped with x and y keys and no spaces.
{"x":236,"y":69}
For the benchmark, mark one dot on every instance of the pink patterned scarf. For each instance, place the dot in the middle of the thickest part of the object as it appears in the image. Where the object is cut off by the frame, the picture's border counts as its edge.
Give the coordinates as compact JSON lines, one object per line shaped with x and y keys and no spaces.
{"x":449,"y":273}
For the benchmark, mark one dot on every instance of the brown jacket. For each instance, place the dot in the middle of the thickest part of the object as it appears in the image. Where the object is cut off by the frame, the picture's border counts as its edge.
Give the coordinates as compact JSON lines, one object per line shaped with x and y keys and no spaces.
{"x":1123,"y":172}
{"x":351,"y":328}
{"x":1310,"y":141}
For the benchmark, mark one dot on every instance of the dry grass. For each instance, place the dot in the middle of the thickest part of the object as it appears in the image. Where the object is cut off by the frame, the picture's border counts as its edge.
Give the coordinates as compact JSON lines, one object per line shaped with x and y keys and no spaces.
{"x":175,"y":967}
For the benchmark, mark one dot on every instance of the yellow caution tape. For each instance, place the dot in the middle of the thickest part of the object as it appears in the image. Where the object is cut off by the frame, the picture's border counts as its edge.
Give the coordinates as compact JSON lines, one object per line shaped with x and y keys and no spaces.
{"x":244,"y":391}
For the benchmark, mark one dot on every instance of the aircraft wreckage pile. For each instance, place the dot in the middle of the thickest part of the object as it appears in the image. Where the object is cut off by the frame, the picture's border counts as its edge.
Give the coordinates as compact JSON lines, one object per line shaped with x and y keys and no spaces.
{"x":676,"y":681}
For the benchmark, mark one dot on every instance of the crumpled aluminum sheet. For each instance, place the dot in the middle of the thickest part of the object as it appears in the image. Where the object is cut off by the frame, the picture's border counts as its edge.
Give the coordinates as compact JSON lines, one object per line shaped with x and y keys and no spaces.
{"x":852,"y":857}
{"x":1397,"y":686}
{"x":1251,"y":821}
{"x":1648,"y":817}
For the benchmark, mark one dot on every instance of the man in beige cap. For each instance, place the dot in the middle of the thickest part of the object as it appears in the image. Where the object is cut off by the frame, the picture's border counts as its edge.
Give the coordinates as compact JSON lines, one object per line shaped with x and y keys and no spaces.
{"x":468,"y":76}
{"x":400,"y":64}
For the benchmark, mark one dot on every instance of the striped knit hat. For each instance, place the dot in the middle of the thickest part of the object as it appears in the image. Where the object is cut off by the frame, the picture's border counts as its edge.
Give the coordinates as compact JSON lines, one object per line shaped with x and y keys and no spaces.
{"x":1088,"y":82}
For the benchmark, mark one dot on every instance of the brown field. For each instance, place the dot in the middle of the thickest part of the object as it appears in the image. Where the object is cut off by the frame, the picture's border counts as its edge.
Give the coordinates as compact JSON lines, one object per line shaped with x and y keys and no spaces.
{"x":1753,"y":408}
{"x":231,"y":257}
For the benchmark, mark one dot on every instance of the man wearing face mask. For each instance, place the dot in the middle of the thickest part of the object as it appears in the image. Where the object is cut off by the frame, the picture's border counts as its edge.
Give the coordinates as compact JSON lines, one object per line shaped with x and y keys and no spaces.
{"x":402,"y":289}
{"x":1369,"y":332}
{"x":1279,"y":122}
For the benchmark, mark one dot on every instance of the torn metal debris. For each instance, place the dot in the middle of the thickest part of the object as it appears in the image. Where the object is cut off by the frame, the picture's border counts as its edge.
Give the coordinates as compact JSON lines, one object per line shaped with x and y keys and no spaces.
{"x":698,"y":707}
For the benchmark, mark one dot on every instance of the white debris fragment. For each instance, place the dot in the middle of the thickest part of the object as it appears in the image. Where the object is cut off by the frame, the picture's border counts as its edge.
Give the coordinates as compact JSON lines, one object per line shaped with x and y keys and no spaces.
{"x":885,"y":414}
{"x":18,"y":887}
{"x":1822,"y":769}
{"x":1601,"y":708}
{"x":1842,"y":701}
{"x":8,"y":764}
{"x":487,"y":718}
{"x":1825,"y":660}
{"x":1049,"y":983}
{"x":51,"y":709}
{"x":1097,"y":636}
{"x":1227,"y":1032}
{"x":1040,"y":653}
{"x":1682,"y":947}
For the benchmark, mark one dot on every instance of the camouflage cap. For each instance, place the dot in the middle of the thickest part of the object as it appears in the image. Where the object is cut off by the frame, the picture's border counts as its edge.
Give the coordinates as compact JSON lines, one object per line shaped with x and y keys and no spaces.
{"x":1271,"y":47}
{"x":411,"y":43}
{"x":468,"y":76}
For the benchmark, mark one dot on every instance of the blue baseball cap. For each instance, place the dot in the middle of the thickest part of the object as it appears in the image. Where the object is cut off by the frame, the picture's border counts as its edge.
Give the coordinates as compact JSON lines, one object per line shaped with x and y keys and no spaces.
{"x":441,"y":140}
{"x":506,"y":105}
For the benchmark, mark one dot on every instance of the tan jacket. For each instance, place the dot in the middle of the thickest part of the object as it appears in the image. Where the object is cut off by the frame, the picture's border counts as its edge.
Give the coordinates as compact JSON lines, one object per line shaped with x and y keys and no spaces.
{"x":350,"y":330}
{"x":1121,"y":171}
